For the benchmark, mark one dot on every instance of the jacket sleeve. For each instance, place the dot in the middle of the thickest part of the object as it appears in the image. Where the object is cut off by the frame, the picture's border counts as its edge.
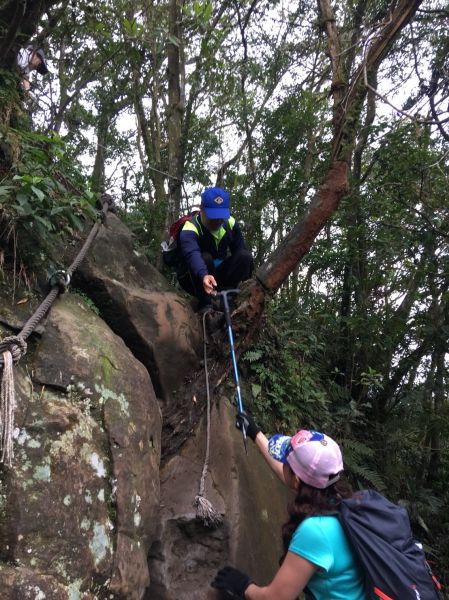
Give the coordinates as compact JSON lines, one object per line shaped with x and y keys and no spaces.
{"x":238,"y":243}
{"x":23,"y":58}
{"x":188,"y":241}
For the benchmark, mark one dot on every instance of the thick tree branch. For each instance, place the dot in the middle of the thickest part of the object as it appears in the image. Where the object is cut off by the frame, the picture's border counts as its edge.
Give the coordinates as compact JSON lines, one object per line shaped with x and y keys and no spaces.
{"x":346,"y":116}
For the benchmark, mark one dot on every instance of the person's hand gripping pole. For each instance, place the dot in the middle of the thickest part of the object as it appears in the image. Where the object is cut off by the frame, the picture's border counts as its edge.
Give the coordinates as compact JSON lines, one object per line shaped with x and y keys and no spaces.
{"x":224,"y":294}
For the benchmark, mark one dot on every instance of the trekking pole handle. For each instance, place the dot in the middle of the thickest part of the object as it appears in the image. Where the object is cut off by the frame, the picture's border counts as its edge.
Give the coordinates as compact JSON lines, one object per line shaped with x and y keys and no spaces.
{"x":224,"y":294}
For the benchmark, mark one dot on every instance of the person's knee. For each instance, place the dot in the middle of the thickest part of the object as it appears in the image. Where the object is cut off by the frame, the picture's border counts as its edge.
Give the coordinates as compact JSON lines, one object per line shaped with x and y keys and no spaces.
{"x":185,"y":281}
{"x":236,"y":269}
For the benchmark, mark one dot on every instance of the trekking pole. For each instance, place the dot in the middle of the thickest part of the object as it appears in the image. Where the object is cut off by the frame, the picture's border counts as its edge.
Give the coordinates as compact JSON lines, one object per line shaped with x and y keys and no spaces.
{"x":224,"y":294}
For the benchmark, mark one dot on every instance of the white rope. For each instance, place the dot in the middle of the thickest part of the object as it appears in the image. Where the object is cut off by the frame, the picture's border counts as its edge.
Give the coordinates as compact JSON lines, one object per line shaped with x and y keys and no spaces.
{"x":204,"y":509}
{"x":8,"y":405}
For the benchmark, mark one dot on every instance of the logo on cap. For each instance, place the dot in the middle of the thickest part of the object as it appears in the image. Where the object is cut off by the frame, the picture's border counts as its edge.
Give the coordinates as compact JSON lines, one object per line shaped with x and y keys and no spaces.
{"x":218,"y":200}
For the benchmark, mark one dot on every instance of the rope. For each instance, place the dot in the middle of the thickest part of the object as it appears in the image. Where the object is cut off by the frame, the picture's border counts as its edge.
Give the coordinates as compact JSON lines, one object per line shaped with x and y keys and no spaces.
{"x":12,"y":348}
{"x":8,"y":404}
{"x":204,"y":509}
{"x":15,"y":345}
{"x":40,"y":312}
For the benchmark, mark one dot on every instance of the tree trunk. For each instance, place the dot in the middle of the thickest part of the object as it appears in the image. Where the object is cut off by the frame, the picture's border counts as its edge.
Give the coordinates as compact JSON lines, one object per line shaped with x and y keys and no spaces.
{"x":348,"y":100}
{"x":436,"y":421}
{"x":175,"y":110}
{"x":299,"y":241}
{"x":100,"y":156}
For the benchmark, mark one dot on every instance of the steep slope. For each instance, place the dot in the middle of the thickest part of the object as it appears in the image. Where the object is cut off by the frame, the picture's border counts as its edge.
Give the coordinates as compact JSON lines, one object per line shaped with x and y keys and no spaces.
{"x":87,"y":502}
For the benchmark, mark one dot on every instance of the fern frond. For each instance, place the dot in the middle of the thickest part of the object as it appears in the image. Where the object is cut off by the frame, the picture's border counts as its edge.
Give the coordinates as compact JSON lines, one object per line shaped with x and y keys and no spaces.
{"x":356,"y":448}
{"x":253,"y":355}
{"x":367,"y":475}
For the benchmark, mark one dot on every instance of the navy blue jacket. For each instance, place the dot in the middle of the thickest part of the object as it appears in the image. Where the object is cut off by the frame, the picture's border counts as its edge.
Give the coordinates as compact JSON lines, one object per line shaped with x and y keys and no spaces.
{"x":195,"y":238}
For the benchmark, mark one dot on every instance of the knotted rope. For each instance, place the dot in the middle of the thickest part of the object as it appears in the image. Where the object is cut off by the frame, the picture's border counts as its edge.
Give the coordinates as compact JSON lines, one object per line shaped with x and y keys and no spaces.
{"x":204,"y":509}
{"x":12,"y":348}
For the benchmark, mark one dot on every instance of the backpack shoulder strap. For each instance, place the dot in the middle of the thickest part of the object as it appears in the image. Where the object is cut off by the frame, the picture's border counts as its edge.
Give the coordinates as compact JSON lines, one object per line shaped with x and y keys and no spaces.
{"x":188,"y":223}
{"x":195,"y":223}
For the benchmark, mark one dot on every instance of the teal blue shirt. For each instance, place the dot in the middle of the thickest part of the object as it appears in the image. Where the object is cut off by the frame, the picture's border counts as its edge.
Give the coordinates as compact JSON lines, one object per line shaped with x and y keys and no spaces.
{"x":322,"y":541}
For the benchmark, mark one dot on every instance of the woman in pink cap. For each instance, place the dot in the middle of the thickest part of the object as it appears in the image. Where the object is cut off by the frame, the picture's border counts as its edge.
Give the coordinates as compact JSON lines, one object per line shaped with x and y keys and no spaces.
{"x":317,"y":554}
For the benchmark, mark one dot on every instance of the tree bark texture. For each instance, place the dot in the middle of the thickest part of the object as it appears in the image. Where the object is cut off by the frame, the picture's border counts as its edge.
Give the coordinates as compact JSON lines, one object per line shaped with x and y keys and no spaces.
{"x":98,"y":171}
{"x":176,"y":110}
{"x":299,"y":241}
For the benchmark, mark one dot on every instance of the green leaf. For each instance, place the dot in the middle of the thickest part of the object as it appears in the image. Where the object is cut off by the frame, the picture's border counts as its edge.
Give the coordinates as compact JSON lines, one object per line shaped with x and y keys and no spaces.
{"x":174,"y":40}
{"x":5,"y":190}
{"x":23,"y":209}
{"x":208,"y":11}
{"x":256,"y":389}
{"x":75,"y":221}
{"x":130,"y":27}
{"x":39,"y":193}
{"x":44,"y":222}
{"x":56,"y":210}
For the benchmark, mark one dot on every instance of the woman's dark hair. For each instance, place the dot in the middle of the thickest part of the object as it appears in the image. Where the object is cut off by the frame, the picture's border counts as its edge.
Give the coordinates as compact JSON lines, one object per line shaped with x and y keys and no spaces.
{"x":312,"y":502}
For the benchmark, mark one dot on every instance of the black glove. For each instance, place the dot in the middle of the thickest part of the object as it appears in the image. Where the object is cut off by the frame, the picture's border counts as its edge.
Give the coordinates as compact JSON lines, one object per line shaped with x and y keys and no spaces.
{"x":231,"y":581}
{"x":244,"y":419}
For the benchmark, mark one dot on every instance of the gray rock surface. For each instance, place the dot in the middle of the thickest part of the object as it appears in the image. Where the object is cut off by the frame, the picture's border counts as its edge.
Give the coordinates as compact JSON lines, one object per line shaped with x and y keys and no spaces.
{"x":136,"y":301}
{"x":79,"y":508}
{"x":242,"y":488}
{"x":85,"y":503}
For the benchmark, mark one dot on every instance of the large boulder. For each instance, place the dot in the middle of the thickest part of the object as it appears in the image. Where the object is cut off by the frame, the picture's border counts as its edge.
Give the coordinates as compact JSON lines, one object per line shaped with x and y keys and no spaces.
{"x":137,"y":302}
{"x":241,"y":488}
{"x":79,"y":507}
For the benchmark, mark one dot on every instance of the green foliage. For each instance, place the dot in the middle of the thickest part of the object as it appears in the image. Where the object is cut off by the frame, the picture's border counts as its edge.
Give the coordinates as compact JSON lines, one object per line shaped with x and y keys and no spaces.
{"x":357,"y":456}
{"x":87,"y":300}
{"x":41,"y":196}
{"x":286,"y":390}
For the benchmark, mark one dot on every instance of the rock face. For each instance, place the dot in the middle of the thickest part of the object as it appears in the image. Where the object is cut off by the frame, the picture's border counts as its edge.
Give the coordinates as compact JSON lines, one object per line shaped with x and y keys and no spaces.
{"x":80,"y":507}
{"x":85,"y":504}
{"x":157,"y":324}
{"x":242,"y":488}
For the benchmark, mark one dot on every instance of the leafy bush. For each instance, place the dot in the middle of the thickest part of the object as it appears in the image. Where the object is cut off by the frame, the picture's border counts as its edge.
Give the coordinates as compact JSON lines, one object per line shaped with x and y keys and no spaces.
{"x":40,"y":192}
{"x":285,"y":386}
{"x":291,"y":386}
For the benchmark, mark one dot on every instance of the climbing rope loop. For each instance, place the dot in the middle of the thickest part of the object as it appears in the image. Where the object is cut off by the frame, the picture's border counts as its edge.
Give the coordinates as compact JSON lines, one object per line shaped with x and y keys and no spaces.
{"x":14,"y":345}
{"x":205,"y":512}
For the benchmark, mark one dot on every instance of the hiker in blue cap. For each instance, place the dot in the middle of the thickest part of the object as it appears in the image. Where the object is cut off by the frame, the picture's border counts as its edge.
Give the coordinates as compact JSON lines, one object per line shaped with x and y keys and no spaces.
{"x":213,"y":249}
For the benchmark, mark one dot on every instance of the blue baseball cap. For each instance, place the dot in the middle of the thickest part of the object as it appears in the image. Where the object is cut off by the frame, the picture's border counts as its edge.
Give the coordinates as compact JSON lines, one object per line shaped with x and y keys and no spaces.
{"x":215,"y":202}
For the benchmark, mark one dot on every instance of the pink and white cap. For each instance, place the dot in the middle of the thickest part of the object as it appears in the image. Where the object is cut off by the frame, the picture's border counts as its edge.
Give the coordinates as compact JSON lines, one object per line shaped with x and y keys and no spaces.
{"x":313,"y":456}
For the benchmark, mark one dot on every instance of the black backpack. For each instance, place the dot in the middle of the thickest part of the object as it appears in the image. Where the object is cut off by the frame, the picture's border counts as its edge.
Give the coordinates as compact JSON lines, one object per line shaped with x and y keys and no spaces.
{"x":394,"y":563}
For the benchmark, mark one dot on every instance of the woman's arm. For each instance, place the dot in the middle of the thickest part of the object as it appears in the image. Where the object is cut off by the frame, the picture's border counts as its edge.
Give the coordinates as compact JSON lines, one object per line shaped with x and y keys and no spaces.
{"x":261,"y":442}
{"x":245,"y":420}
{"x":288,"y":583}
